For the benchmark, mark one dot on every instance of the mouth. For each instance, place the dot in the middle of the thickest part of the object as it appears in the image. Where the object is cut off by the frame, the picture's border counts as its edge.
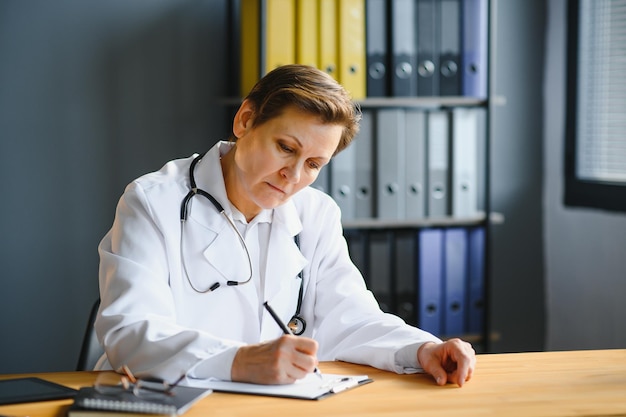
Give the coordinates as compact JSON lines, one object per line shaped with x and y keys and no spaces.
{"x":275,"y":188}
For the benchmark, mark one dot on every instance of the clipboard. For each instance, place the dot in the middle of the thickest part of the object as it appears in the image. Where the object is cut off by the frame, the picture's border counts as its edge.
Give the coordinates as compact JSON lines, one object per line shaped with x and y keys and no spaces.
{"x":308,"y":388}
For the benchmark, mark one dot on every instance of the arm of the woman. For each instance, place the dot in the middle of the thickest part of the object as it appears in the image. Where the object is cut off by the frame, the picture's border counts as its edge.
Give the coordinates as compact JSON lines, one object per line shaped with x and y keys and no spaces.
{"x":351,"y":327}
{"x":137,"y":322}
{"x":349,"y":323}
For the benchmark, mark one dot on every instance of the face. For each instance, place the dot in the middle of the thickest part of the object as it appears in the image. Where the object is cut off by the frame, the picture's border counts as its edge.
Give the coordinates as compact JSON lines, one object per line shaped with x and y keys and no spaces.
{"x":277,"y":159}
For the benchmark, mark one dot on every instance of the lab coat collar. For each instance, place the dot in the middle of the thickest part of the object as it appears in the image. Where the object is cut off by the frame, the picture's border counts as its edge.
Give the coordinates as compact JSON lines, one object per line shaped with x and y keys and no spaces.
{"x":284,"y":260}
{"x":209,"y":176}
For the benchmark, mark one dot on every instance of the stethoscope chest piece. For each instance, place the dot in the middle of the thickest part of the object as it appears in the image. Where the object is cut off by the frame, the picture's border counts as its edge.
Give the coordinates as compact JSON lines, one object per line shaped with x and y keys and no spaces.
{"x":297,"y":325}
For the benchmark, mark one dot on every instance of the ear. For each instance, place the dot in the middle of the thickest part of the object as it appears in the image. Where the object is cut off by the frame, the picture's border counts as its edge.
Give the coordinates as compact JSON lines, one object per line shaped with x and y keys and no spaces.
{"x":242,"y":121}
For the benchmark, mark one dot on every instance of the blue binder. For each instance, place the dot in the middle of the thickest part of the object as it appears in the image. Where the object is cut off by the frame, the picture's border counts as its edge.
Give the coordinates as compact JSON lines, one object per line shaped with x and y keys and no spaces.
{"x":455,"y":281}
{"x":475,"y":16}
{"x":476,"y":281}
{"x":431,"y":264}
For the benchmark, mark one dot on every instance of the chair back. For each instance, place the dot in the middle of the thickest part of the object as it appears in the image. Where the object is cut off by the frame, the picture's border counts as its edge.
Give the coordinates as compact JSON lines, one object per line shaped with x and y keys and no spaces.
{"x":90,"y":350}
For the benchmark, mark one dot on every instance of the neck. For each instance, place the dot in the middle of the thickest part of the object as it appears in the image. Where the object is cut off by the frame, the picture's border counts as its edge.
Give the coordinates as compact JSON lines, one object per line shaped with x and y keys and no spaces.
{"x":234,"y":189}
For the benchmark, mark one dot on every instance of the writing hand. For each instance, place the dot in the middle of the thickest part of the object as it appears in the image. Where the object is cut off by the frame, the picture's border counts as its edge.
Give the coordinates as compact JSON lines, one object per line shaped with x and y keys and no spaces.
{"x":280,"y":361}
{"x":452,"y":361}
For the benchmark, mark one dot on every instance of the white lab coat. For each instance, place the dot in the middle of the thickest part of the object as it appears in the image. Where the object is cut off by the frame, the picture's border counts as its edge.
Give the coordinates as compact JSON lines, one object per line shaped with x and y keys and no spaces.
{"x":152,"y":320}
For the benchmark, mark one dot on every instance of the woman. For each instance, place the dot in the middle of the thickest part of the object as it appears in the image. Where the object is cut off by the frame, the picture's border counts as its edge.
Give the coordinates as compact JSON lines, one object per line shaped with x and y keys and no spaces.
{"x":188,"y":263}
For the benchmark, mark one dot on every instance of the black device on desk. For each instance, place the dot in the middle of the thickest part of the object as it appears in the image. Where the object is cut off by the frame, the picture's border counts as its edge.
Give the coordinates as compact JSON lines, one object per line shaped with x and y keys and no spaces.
{"x":30,"y":389}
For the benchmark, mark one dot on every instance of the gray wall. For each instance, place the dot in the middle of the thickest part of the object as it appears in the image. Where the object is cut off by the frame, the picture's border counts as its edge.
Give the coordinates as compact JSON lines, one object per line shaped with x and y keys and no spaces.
{"x":517,"y":251}
{"x":92,"y":94}
{"x":585,"y":248}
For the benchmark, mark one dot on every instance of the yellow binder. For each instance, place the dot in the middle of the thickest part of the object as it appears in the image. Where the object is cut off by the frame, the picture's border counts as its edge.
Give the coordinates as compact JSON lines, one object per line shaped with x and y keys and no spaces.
{"x":351,"y":45}
{"x":307,"y":27}
{"x":267,"y":38}
{"x":250,"y":48}
{"x":328,"y":36}
{"x":280,"y":30}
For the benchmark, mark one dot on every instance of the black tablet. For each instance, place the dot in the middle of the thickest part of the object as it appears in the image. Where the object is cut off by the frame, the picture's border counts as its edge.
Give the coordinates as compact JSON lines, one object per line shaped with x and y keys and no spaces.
{"x":25,"y":390}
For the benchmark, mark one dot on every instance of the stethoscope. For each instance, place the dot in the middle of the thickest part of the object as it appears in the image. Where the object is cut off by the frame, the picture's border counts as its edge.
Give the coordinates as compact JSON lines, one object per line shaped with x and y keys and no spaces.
{"x":297,"y":325}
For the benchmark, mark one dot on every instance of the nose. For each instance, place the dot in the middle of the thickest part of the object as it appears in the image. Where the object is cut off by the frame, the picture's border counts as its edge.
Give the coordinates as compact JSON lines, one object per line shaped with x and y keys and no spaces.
{"x":292,"y":172}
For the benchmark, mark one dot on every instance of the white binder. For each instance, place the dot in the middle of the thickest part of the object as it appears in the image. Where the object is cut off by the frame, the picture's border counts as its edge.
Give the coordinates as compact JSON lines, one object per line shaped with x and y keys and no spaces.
{"x":464,"y":162}
{"x":438,"y":164}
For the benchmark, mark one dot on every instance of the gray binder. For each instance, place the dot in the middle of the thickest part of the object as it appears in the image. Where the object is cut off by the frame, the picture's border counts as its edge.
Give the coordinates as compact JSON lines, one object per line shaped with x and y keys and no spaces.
{"x":358,"y":245}
{"x":481,"y":156}
{"x":364,"y":179}
{"x":342,"y":181}
{"x":390,"y":161}
{"x":415,"y":155}
{"x":427,"y":47}
{"x":406,"y":275}
{"x":376,"y":43}
{"x":403,"y":48}
{"x":438,"y":167}
{"x":379,"y":279}
{"x":450,"y":48}
{"x":322,"y":182}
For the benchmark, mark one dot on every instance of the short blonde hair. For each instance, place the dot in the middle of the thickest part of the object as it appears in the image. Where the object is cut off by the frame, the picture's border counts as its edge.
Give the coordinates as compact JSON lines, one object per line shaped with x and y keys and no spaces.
{"x":308,"y":89}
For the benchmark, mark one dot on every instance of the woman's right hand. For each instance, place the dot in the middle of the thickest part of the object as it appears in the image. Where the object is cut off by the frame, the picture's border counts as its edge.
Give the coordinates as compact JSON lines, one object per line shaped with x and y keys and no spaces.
{"x":280,"y":361}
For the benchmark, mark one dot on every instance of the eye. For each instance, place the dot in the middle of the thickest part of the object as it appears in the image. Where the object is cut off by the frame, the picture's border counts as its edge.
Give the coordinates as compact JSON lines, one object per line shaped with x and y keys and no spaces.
{"x":314,"y":165}
{"x":285,"y":148}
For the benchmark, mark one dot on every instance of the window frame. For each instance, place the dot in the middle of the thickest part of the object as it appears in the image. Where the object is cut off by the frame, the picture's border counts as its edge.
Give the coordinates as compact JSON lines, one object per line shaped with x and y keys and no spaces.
{"x":581,"y":192}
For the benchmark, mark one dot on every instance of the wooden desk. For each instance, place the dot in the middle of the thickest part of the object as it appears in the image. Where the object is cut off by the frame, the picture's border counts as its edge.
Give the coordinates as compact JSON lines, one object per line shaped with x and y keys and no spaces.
{"x":577,"y":383}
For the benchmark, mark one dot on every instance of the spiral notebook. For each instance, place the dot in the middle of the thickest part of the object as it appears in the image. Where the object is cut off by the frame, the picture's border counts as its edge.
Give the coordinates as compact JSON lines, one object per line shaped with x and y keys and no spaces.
{"x":91,"y":403}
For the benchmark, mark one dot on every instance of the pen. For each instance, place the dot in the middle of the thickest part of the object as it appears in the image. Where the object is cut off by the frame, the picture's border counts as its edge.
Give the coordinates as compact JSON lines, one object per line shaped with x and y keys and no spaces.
{"x":285,"y":329}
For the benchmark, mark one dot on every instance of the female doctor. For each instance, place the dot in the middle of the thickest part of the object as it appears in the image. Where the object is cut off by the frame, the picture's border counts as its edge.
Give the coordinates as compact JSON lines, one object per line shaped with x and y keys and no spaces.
{"x":198,"y":247}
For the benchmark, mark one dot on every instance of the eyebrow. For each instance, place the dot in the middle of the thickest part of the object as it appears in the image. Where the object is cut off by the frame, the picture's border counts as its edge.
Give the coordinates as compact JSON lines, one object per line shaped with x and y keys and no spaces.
{"x":296,"y":139}
{"x":323,"y":158}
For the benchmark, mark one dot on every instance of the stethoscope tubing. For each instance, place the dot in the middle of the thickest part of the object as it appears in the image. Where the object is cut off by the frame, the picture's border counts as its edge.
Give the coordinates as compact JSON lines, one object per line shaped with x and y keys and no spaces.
{"x":297,"y":324}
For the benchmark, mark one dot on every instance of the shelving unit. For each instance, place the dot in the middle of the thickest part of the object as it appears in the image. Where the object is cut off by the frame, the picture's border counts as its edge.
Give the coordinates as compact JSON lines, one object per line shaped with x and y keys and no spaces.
{"x":374,"y":224}
{"x":421,"y":102}
{"x":408,"y":228}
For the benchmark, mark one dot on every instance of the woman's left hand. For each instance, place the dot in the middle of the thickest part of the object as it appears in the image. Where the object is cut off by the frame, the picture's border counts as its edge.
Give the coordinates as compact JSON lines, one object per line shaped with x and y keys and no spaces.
{"x":451,"y":361}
